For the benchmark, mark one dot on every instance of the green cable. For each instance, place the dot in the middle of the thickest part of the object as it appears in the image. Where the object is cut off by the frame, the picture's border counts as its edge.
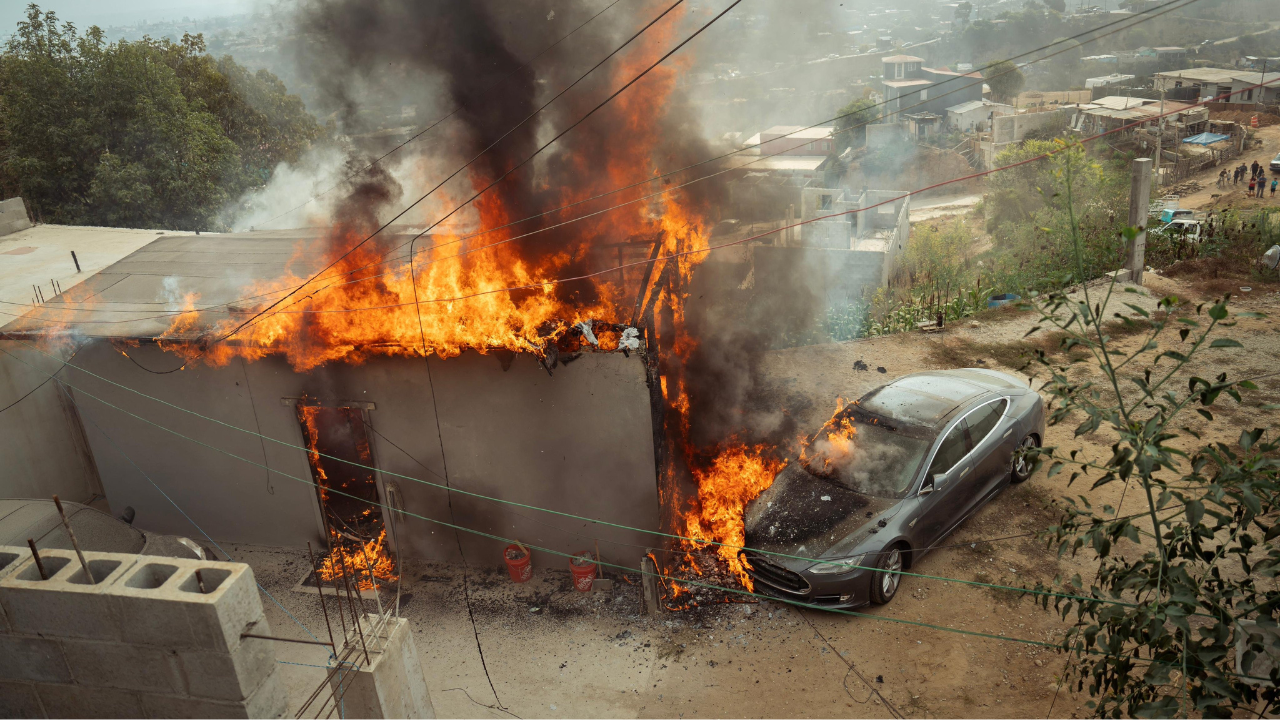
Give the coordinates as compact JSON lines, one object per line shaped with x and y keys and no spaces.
{"x":446,"y":488}
{"x":709,"y":586}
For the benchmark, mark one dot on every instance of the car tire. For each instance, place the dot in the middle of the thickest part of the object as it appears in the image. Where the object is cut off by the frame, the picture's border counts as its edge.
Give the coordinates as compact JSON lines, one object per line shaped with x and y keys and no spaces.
{"x":1022,"y":465}
{"x":888,"y":576}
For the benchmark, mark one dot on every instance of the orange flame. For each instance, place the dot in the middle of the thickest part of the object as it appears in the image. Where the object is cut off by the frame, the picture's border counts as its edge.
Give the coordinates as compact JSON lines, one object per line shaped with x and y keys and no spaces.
{"x":736,"y":477}
{"x":352,"y":562}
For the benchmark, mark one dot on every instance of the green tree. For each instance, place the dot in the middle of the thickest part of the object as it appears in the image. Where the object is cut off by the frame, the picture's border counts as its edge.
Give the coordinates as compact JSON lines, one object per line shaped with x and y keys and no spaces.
{"x":1058,"y":6}
{"x":1183,"y":601}
{"x":136,"y":134}
{"x":963,"y":12}
{"x":851,"y":128}
{"x":1005,"y":79}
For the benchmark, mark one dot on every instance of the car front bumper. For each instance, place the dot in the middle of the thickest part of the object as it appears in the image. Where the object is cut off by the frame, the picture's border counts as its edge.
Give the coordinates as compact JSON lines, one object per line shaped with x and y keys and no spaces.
{"x":844,"y":591}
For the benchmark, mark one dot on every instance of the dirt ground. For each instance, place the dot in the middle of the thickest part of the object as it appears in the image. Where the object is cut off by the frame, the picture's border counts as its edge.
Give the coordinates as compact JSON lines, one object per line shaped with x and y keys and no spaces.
{"x":549,"y":651}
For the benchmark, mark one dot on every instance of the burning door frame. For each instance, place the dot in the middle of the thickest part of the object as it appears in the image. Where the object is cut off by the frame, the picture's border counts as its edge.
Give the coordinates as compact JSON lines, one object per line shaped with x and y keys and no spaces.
{"x":380,"y":551}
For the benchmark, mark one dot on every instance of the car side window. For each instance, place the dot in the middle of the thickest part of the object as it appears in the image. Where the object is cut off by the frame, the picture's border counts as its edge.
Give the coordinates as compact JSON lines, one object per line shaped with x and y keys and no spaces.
{"x":983,"y":420}
{"x":950,"y":451}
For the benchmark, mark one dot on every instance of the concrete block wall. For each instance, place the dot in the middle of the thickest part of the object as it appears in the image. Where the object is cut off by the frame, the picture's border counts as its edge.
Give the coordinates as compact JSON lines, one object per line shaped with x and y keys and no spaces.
{"x":141,"y":641}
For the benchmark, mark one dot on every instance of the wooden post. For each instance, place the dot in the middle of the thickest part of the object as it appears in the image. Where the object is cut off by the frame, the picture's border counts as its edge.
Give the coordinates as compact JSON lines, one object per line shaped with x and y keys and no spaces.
{"x":649,"y":585}
{"x":1139,"y":203}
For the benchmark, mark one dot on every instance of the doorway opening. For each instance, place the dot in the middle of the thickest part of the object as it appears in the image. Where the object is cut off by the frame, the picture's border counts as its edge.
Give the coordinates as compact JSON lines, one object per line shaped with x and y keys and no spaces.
{"x":341,"y":461}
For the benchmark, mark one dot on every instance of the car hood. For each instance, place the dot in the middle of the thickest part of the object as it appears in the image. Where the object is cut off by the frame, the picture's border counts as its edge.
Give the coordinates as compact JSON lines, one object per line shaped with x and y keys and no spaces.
{"x":803,"y":515}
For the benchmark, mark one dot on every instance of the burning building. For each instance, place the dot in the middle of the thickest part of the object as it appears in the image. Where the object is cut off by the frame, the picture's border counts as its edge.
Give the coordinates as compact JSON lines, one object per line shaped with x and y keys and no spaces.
{"x":547,"y":330}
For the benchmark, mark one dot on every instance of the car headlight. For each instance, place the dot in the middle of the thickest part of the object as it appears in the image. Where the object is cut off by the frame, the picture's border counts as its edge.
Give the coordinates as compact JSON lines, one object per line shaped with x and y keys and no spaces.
{"x":843,"y":565}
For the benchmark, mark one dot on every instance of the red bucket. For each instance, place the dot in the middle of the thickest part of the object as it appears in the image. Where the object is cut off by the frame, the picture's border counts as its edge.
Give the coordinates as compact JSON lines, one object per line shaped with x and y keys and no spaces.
{"x":518,"y":563}
{"x":583,"y":569}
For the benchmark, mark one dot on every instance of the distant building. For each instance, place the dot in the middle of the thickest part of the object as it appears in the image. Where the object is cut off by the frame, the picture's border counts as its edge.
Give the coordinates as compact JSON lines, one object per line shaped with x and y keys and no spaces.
{"x":976,"y":115}
{"x":1112,"y":79}
{"x":911,"y":87}
{"x":1101,"y":59}
{"x":795,"y":140}
{"x":1223,"y":84}
{"x":1111,"y":113}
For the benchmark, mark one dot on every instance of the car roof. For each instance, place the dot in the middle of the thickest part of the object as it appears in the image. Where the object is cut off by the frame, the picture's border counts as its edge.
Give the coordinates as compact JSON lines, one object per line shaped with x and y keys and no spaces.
{"x":38,"y":520}
{"x":928,"y":398}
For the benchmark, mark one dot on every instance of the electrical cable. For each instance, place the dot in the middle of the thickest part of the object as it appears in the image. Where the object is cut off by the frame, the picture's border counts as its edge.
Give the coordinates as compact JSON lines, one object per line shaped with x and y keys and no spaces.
{"x":180,"y":510}
{"x":472,"y":160}
{"x":759,"y":145}
{"x":1024,"y":590}
{"x":665,"y":175}
{"x":44,"y":382}
{"x":493,"y":85}
{"x":852,"y":669}
{"x":624,"y":568}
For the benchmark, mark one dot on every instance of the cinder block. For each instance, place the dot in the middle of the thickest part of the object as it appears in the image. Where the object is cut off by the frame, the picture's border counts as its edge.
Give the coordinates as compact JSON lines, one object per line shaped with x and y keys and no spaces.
{"x":32,"y":658}
{"x":127,"y":667}
{"x":65,"y":605}
{"x":214,"y":619}
{"x":19,"y":700}
{"x":229,"y":607}
{"x":78,"y":701}
{"x":269,"y":701}
{"x":11,"y":558}
{"x":146,"y":608}
{"x":230,"y":676}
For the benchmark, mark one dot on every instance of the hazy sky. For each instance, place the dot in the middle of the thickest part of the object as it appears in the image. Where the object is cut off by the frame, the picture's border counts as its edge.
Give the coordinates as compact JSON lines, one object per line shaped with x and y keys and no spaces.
{"x":122,"y":12}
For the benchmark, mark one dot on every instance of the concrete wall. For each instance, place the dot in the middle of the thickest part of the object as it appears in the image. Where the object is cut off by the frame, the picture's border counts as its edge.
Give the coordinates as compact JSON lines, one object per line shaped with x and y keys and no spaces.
{"x":838,"y":276}
{"x":41,"y":438}
{"x":13,"y":216}
{"x":578,"y":442}
{"x":141,"y":641}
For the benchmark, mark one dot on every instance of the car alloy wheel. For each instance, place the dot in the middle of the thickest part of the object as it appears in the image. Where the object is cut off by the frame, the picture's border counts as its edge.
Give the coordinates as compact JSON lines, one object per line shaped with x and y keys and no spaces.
{"x":1022,"y":464}
{"x":886,"y":581}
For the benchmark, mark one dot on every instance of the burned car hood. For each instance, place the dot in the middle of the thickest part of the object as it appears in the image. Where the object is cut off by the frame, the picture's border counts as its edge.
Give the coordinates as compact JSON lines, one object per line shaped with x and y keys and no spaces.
{"x":801,"y":514}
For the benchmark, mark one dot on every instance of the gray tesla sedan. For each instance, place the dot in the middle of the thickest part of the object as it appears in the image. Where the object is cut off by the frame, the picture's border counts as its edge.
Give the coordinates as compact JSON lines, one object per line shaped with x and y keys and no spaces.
{"x":885,"y":480}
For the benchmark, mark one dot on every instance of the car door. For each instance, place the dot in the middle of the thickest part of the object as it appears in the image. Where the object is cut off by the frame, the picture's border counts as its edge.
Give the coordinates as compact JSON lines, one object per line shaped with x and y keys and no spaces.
{"x":992,"y":438}
{"x":941,"y":499}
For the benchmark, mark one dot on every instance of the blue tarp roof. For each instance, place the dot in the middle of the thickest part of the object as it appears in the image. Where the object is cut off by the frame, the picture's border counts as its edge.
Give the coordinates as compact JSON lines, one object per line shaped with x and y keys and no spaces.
{"x":1206,"y":138}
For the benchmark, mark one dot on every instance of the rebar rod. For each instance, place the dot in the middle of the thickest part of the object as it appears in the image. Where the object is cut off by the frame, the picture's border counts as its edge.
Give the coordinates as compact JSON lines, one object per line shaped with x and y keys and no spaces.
{"x":315,"y":574}
{"x":35,"y":555}
{"x":88,"y":576}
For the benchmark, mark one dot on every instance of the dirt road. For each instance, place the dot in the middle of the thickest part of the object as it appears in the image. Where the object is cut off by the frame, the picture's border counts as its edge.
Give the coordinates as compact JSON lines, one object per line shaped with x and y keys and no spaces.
{"x":1211,"y":197}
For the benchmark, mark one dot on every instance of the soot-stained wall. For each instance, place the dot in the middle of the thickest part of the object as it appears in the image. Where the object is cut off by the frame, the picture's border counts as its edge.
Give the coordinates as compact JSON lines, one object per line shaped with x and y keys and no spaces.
{"x":579,"y":442}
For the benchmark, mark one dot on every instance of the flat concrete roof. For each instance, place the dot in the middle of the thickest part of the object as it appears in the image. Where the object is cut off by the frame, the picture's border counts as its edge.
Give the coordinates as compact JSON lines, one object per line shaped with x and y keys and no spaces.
{"x":138,"y":295}
{"x":42,"y":254}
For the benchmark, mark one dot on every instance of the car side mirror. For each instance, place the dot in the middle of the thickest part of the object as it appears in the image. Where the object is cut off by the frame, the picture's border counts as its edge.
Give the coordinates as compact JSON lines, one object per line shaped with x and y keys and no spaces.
{"x":939,"y":480}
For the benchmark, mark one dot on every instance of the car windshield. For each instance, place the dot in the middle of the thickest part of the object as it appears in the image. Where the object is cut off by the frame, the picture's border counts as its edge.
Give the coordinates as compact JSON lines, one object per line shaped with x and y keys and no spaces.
{"x":867,"y":453}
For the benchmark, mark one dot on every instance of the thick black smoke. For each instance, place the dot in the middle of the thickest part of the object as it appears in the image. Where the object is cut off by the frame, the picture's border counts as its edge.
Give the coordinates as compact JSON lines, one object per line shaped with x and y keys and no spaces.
{"x":470,"y":55}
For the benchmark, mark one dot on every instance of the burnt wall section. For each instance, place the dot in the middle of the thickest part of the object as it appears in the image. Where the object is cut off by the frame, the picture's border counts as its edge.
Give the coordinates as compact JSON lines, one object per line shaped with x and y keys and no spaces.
{"x":579,"y":442}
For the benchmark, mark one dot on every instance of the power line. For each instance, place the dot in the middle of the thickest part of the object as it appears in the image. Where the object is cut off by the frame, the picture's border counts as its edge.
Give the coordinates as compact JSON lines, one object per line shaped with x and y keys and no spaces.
{"x":526,"y":64}
{"x":180,"y":510}
{"x":1093,"y":32}
{"x":468,"y":164}
{"x":624,"y":568}
{"x":450,"y":489}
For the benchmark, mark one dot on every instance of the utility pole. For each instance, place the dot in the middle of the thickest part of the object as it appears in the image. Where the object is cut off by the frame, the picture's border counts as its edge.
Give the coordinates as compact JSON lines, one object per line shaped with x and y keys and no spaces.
{"x":1139,"y":204}
{"x":1159,"y":138}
